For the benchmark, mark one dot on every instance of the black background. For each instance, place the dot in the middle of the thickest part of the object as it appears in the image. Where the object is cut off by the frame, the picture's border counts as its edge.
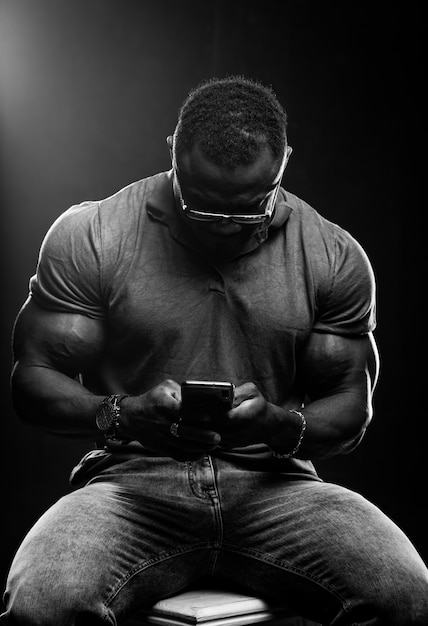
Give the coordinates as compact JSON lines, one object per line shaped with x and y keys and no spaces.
{"x":89,"y":90}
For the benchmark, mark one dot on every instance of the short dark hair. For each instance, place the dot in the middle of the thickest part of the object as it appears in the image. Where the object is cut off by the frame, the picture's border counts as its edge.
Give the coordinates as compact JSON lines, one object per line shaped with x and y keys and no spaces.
{"x":231,"y":119}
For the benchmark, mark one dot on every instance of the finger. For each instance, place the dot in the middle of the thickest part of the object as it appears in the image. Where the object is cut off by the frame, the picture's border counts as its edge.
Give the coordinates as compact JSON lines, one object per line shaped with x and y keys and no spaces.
{"x":245,"y":392}
{"x":170,"y":388}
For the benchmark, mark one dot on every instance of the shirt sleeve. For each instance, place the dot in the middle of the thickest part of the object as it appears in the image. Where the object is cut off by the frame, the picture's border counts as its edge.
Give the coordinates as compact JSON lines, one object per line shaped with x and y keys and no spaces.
{"x":68,"y":276}
{"x":349,"y":307}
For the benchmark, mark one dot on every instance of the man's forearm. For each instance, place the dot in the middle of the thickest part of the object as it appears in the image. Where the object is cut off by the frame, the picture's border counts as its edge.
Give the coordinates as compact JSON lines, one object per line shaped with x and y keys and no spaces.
{"x":54,"y":402}
{"x":334,"y":425}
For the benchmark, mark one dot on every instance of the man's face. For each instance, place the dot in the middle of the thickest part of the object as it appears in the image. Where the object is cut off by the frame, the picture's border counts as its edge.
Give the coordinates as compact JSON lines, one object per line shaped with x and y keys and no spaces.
{"x":213,"y":189}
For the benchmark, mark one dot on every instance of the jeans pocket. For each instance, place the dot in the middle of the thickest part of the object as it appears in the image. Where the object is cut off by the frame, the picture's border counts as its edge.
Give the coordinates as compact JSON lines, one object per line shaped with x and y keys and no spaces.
{"x":88,"y":466}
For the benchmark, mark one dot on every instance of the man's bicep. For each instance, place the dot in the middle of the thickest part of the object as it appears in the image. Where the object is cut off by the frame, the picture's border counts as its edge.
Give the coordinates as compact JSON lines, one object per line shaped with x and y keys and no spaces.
{"x":331,"y":364}
{"x":67,"y":342}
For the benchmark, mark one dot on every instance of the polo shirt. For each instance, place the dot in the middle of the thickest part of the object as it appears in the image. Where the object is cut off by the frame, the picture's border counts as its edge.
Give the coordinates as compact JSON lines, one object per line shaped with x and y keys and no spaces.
{"x":170,"y":312}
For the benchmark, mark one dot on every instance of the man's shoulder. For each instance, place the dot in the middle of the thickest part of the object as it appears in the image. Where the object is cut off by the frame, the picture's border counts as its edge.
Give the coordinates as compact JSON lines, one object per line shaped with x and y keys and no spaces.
{"x":321,"y":241}
{"x":135,"y":195}
{"x":339,"y":268}
{"x":310,"y":223}
{"x":306,"y":213}
{"x":119,"y":211}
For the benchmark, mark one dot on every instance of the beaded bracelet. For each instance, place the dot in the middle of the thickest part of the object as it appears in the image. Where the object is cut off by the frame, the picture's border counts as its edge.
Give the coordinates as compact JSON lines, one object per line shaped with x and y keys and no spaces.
{"x":278,"y":455}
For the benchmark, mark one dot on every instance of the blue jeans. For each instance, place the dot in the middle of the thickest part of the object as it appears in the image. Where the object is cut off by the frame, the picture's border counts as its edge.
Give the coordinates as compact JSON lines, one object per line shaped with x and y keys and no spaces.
{"x":149,"y":527}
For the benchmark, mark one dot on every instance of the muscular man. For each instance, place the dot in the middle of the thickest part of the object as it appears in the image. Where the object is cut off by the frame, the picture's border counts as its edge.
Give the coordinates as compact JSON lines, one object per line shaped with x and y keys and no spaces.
{"x":210,"y":271}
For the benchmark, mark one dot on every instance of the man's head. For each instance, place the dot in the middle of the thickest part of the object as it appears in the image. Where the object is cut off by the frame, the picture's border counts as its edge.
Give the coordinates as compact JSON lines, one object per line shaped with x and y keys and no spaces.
{"x":231,"y":119}
{"x":229,"y":151}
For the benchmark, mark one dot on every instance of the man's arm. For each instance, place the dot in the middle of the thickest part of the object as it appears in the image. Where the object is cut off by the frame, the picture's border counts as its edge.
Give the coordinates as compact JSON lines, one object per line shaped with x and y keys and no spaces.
{"x":339,"y":375}
{"x":50,"y":349}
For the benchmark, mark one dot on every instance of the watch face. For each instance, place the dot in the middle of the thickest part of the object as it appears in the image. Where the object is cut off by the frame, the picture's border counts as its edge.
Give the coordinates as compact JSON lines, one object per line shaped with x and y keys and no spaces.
{"x":105,"y":417}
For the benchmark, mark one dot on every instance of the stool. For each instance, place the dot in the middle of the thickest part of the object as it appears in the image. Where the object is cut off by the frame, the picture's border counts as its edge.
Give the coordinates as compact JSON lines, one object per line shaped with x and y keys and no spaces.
{"x":214,"y":607}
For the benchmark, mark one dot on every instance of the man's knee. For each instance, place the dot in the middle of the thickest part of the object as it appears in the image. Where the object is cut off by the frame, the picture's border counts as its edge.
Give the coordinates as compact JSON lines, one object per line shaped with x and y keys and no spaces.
{"x":399,"y":598}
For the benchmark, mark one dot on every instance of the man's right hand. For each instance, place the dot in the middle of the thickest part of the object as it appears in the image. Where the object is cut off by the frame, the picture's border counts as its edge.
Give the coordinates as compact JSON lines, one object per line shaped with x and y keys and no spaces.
{"x":147,"y":418}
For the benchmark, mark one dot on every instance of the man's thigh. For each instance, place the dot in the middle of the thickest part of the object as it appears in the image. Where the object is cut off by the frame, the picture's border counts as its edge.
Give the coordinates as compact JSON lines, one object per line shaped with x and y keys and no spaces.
{"x":123,"y":541}
{"x":317,"y":545}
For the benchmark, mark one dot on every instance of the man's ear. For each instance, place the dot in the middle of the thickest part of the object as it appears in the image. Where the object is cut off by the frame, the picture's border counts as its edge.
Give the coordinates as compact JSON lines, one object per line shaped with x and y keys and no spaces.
{"x":170,"y":142}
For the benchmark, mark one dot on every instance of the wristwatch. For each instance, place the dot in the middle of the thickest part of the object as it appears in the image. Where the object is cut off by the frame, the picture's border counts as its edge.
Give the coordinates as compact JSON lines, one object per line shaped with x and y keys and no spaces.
{"x":107,"y":417}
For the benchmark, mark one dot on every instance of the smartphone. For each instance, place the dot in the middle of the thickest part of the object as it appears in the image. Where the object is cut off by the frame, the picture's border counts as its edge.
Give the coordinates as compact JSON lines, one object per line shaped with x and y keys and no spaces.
{"x":206,"y":396}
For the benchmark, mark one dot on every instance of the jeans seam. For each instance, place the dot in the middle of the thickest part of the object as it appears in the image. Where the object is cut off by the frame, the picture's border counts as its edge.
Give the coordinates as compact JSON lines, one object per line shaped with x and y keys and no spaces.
{"x":217,"y":509}
{"x":139,"y":567}
{"x":281,"y":565}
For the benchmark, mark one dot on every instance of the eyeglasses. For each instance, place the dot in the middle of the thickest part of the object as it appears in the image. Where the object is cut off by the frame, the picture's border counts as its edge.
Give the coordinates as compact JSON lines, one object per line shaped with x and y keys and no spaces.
{"x":266,"y":205}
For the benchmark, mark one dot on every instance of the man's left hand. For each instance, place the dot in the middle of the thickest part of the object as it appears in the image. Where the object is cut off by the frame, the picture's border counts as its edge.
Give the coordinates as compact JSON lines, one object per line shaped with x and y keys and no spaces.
{"x":249,"y":421}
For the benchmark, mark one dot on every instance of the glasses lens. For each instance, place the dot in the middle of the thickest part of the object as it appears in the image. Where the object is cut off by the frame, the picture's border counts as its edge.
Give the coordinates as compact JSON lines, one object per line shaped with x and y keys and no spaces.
{"x":245,"y":218}
{"x":249,"y":219}
{"x":200,"y":216}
